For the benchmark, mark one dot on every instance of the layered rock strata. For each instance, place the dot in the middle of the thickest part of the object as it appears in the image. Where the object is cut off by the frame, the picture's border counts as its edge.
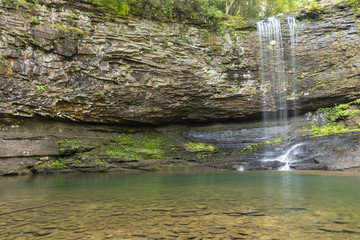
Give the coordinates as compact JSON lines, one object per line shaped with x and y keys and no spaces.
{"x":75,"y":61}
{"x":79,"y":63}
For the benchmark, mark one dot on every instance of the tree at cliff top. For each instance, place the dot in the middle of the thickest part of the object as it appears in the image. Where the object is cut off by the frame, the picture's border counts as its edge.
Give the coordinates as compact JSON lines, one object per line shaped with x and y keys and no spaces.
{"x":207,"y":11}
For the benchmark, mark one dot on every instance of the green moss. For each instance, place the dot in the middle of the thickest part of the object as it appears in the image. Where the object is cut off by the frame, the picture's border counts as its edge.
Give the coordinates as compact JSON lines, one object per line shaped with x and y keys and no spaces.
{"x":330,"y":129}
{"x":132,"y":148}
{"x":318,"y":85}
{"x":257,"y":147}
{"x":65,"y":30}
{"x":69,"y":145}
{"x":274,"y":141}
{"x":299,"y":94}
{"x":252,"y":148}
{"x":313,"y":75}
{"x":199,"y":147}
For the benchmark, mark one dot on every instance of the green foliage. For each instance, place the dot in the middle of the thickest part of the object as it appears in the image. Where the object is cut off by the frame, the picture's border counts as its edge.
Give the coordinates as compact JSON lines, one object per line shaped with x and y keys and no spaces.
{"x":234,"y":89}
{"x":120,"y":6}
{"x":41,"y":88}
{"x":356,"y":101}
{"x":339,"y":112}
{"x":18,"y":3}
{"x":9,"y":3}
{"x":333,"y":115}
{"x":355,"y":4}
{"x":34,"y":20}
{"x":315,"y":7}
{"x":212,"y":15}
{"x":210,"y":12}
{"x":77,"y":161}
{"x":233,"y":23}
{"x":59,"y":163}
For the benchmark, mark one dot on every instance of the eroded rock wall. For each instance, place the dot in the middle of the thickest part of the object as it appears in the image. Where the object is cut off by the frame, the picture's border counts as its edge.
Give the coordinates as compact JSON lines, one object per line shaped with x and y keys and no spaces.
{"x":328,"y":57}
{"x":81,"y":63}
{"x":75,"y":61}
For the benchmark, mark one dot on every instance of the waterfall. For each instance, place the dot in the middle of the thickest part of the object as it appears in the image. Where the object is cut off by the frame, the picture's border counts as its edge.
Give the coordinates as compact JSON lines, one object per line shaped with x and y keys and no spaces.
{"x":277,"y":38}
{"x":293,"y":28}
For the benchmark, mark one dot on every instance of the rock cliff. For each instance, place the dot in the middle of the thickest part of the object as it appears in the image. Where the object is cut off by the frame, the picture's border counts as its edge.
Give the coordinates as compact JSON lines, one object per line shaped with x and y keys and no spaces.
{"x":75,"y":61}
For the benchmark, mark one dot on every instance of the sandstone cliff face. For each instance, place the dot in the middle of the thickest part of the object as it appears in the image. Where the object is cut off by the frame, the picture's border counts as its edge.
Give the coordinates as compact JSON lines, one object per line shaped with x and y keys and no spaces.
{"x":70,"y":60}
{"x":83,"y":64}
{"x":74,"y":61}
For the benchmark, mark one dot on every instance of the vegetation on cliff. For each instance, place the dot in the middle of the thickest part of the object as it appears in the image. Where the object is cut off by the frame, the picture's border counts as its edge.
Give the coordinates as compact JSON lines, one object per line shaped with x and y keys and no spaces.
{"x":355,"y":4}
{"x":340,"y":119}
{"x":211,"y":12}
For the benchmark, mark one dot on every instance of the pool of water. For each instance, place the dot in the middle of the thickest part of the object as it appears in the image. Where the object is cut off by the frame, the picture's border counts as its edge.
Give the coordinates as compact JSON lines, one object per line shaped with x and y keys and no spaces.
{"x":243,"y":205}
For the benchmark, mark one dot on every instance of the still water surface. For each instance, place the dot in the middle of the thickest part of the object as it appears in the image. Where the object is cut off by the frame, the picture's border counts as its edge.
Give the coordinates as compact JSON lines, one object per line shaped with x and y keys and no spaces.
{"x":246,"y":205}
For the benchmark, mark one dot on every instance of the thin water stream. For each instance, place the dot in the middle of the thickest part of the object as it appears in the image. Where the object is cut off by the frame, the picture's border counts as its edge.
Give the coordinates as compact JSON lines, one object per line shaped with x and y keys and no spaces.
{"x":276,"y":73}
{"x":246,"y":205}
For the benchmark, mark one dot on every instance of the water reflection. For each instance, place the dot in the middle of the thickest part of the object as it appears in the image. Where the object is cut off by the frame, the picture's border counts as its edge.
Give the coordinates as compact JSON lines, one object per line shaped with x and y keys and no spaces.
{"x":246,"y":205}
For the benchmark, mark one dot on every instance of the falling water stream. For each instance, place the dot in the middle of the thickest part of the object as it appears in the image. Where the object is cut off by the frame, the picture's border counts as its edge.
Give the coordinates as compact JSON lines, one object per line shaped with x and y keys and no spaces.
{"x":275,"y":71}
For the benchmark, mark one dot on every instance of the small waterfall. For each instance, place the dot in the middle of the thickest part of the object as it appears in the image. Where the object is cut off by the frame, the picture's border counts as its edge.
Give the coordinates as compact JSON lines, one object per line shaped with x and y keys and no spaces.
{"x":276,"y":73}
{"x":287,"y":157}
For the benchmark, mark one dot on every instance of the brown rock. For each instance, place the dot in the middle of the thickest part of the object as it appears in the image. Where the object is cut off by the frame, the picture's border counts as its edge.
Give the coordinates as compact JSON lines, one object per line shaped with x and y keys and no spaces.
{"x":109,"y":73}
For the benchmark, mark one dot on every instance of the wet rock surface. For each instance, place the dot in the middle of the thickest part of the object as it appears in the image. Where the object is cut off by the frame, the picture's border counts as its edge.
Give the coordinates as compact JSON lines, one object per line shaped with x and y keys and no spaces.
{"x":44,"y":146}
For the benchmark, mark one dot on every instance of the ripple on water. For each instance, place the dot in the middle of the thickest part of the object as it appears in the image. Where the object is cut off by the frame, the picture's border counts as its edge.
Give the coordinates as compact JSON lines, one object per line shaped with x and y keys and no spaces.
{"x":192,"y":206}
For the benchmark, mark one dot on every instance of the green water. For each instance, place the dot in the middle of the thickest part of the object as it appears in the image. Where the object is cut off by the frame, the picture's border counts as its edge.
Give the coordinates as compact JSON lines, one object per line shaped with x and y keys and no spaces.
{"x":246,"y":205}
